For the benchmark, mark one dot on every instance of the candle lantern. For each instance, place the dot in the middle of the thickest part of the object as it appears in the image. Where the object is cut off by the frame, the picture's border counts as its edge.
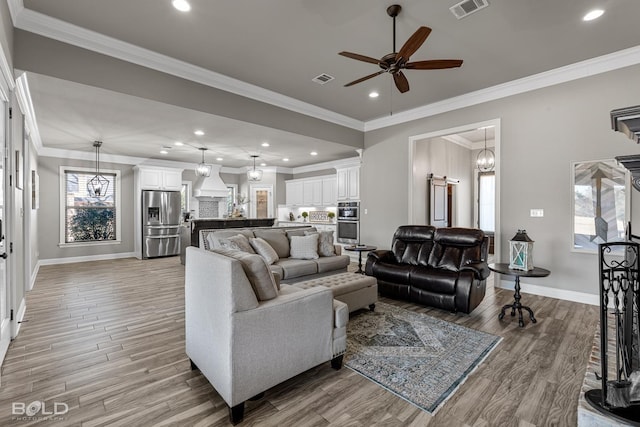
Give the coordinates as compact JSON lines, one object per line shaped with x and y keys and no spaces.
{"x":521,"y":251}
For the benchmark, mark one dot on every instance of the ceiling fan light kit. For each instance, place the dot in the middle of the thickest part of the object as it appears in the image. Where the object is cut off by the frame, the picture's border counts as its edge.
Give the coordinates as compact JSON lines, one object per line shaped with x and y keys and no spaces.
{"x":394,"y":63}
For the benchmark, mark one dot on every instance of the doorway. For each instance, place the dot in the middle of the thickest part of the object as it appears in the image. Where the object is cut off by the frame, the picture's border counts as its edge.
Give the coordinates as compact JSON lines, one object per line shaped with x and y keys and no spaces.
{"x":261,"y":201}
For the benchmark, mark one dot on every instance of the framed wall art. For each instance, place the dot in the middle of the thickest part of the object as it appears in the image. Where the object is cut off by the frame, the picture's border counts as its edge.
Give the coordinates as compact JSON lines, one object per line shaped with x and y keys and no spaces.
{"x":600,"y":203}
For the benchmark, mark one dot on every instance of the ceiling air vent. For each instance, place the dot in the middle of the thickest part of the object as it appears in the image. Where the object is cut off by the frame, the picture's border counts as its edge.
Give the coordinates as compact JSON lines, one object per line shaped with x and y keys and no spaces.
{"x":467,"y":7}
{"x":322,"y":78}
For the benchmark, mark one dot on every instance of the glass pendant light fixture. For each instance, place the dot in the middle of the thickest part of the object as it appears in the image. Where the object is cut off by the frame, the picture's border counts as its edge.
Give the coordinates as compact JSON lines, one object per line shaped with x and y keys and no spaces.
{"x":203,"y":169}
{"x":254,"y":174}
{"x":98,"y":185}
{"x":486,"y":160}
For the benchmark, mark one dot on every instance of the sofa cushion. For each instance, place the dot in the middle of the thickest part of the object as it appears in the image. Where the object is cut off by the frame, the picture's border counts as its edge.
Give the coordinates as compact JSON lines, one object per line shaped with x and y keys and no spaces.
{"x":304,"y":247}
{"x":394,"y":273}
{"x":325,"y":242}
{"x":277,"y":239}
{"x":297,"y":267}
{"x":300,"y":231}
{"x":332,"y":263}
{"x":275,"y":268}
{"x":433,"y":280}
{"x":257,"y":271}
{"x":263,"y":249}
{"x":237,"y":242}
{"x":412,"y":244}
{"x":213,"y":237}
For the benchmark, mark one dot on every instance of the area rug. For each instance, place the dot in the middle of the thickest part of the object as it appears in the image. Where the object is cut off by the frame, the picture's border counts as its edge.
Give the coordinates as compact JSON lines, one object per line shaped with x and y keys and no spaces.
{"x":415,"y":356}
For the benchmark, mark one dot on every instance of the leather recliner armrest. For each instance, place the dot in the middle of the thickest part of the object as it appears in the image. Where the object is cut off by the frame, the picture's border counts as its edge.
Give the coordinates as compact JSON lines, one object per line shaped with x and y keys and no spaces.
{"x":382,"y":255}
{"x":480,"y":269}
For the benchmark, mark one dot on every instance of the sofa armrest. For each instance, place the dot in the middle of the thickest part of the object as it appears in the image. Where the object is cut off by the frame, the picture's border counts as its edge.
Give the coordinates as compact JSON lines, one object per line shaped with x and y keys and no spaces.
{"x":480,"y":269}
{"x":338,"y":249}
{"x":382,"y":255}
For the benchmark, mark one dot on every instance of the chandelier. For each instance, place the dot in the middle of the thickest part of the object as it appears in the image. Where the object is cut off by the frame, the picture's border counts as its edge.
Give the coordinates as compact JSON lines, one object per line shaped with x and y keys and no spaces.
{"x":254,"y":174}
{"x":486,"y":160}
{"x":203,"y":169}
{"x":98,"y":185}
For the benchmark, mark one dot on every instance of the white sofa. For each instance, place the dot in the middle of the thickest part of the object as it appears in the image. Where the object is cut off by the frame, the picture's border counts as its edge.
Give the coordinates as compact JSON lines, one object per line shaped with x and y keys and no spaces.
{"x":244,"y":346}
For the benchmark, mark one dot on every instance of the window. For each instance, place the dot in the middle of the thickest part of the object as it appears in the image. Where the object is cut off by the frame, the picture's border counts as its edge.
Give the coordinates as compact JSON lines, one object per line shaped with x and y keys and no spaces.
{"x":486,"y":201}
{"x":86,"y":219}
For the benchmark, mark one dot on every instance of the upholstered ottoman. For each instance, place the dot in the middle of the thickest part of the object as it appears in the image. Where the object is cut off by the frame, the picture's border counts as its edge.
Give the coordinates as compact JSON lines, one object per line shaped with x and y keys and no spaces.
{"x":356,"y":290}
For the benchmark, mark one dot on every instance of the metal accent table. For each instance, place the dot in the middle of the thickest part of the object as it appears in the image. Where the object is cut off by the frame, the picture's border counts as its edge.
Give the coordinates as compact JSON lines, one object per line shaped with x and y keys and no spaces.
{"x":360,"y":249}
{"x":503,"y":268}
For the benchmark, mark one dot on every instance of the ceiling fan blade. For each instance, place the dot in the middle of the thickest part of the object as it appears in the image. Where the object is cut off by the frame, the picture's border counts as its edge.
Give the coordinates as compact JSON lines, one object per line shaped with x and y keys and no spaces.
{"x":355,"y":82}
{"x":413,"y":44}
{"x":401,"y":82}
{"x":434,"y":64}
{"x":360,"y":57}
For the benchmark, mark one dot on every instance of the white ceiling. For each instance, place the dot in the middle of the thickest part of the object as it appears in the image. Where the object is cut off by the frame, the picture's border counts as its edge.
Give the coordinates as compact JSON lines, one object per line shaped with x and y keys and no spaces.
{"x":281,"y":45}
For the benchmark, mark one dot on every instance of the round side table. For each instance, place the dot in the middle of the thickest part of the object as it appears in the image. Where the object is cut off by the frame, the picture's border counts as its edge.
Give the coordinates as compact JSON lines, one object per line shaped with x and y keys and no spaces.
{"x":360,"y":249}
{"x":503,"y":268}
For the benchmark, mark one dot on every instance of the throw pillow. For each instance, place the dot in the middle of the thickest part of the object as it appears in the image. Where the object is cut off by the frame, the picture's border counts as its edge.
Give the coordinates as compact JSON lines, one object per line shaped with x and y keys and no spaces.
{"x":325,"y":242}
{"x":304,"y":247}
{"x":238,"y":242}
{"x":277,"y":239}
{"x":257,"y":271}
{"x":265,"y":250}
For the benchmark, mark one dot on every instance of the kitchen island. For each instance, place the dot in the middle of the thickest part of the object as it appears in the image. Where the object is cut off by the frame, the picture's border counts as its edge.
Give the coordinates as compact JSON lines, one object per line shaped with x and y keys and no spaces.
{"x":208,"y":223}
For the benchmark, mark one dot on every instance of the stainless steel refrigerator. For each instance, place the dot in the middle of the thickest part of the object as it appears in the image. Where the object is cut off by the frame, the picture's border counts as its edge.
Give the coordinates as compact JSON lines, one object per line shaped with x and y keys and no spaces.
{"x":160,"y":223}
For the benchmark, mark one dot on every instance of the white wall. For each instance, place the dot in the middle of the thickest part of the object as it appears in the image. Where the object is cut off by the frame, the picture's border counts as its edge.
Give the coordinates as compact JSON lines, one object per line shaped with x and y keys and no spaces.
{"x":542,"y":132}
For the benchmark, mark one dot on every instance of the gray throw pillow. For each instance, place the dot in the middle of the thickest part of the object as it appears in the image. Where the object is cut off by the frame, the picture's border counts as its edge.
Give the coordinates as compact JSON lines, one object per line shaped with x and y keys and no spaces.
{"x":263,"y":249}
{"x":237,"y":242}
{"x":304,"y":247}
{"x":257,"y":271}
{"x":277,"y":239}
{"x":325,"y":242}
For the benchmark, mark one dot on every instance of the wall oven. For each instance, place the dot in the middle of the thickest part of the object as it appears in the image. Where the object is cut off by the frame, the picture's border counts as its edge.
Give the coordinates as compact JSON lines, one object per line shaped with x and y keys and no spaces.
{"x":348,"y":226}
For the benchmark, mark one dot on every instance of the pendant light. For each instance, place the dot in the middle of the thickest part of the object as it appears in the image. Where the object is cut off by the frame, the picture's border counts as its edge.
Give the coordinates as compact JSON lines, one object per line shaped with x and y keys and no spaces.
{"x":254,"y":174}
{"x":98,"y":185}
{"x":486,"y":160}
{"x":203,"y":169}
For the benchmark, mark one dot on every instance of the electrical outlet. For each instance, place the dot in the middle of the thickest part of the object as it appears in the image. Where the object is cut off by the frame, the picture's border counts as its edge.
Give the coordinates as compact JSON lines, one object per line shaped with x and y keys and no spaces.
{"x":537,"y":213}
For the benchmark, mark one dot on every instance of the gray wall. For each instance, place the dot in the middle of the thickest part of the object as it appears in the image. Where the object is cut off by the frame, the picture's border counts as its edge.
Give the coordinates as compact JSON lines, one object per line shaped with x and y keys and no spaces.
{"x":33,"y":224}
{"x":49,"y":214}
{"x":542,"y":132}
{"x":281,"y":188}
{"x":6,"y":34}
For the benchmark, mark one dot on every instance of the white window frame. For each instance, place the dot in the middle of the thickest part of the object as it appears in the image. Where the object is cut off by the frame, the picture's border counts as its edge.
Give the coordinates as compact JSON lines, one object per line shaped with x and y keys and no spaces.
{"x":62,"y":193}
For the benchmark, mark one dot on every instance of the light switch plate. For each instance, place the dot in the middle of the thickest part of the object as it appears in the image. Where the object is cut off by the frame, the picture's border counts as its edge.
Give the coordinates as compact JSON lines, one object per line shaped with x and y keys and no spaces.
{"x":537,"y":213}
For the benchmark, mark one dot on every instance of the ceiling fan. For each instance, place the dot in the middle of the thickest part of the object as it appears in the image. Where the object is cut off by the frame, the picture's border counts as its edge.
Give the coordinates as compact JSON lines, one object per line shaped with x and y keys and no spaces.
{"x":395,"y":62}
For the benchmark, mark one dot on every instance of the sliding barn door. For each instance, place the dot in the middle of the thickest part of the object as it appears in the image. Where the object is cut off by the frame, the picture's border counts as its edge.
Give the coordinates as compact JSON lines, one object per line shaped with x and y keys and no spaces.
{"x":438,"y":205}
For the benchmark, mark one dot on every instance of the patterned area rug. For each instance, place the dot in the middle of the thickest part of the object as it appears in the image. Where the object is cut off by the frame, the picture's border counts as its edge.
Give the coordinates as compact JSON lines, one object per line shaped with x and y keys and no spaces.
{"x":417,"y":357}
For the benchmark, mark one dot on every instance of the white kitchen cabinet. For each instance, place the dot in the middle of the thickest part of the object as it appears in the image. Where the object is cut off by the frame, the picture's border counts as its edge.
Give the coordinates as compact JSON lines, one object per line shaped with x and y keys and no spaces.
{"x":349,"y":183}
{"x":329,"y":191}
{"x":159,"y":179}
{"x":312,"y":192}
{"x":294,"y":193}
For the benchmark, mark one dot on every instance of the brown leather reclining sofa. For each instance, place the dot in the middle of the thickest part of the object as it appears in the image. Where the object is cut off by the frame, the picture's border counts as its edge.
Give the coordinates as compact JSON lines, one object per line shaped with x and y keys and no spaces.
{"x":440,"y":267}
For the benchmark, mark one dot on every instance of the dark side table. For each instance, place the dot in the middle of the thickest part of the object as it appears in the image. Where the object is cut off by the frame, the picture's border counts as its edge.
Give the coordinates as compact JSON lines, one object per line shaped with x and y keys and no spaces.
{"x":503,"y":268}
{"x":360,"y":249}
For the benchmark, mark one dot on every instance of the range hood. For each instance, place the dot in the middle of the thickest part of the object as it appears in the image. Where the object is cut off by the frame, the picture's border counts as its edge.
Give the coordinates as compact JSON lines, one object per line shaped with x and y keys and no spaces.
{"x":211,"y":186}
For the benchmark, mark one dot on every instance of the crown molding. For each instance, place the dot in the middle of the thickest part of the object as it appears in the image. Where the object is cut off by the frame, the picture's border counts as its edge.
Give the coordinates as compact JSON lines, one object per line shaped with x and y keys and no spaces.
{"x":579,"y":70}
{"x":7,"y":85}
{"x":15,"y":8}
{"x":38,"y":23}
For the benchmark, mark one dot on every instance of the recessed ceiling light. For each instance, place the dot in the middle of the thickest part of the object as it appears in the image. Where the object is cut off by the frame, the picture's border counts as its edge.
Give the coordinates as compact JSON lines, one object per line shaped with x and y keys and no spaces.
{"x":198,"y":132}
{"x":265,"y":144}
{"x":219,"y":159}
{"x":286,"y":159}
{"x":314,"y":153}
{"x":164,"y":152}
{"x":181,"y":5}
{"x":374,"y":94}
{"x":594,"y":14}
{"x":178,"y":143}
{"x":263,"y":164}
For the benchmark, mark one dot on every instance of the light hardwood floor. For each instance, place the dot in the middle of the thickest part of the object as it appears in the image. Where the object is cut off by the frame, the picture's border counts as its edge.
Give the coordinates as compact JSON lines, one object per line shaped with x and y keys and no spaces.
{"x":107,"y":339}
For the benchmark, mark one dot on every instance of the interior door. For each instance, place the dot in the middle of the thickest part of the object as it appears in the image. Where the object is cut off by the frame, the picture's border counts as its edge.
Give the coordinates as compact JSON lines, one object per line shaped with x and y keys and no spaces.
{"x":261,"y":201}
{"x":5,"y":304}
{"x":438,"y":203}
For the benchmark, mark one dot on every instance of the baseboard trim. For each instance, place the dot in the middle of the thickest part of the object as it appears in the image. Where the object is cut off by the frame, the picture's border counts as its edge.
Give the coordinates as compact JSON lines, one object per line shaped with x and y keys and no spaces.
{"x":34,"y":274}
{"x":581,"y":297}
{"x":19,"y":316}
{"x":88,"y":258}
